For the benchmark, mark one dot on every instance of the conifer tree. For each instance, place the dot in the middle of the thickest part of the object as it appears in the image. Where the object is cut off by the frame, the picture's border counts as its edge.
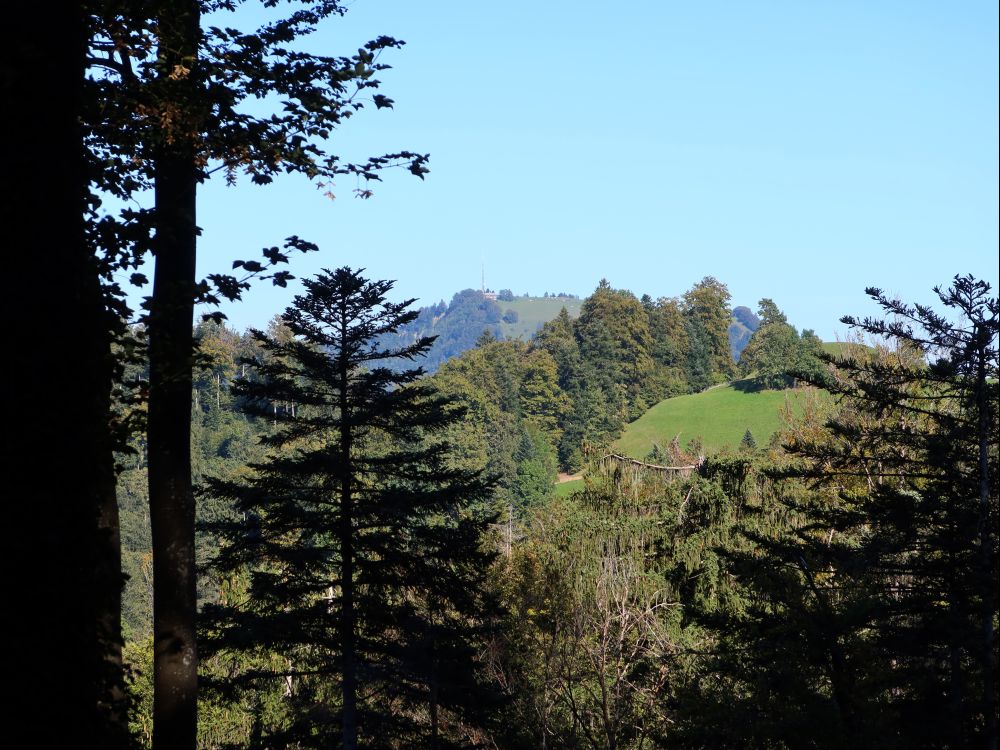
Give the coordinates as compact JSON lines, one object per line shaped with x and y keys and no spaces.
{"x":698,"y":365}
{"x":707,"y":308}
{"x":670,"y":345}
{"x":928,"y":554}
{"x":585,"y":419}
{"x":165,"y":107}
{"x":871,"y":607}
{"x":613,"y":336}
{"x":362,"y":546}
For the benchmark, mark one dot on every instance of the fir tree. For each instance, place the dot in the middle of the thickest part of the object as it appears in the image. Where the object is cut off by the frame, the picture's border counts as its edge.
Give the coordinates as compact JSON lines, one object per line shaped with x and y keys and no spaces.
{"x":869,"y":608}
{"x":585,"y":419}
{"x":613,"y":337}
{"x":669,"y":350}
{"x":928,"y":553}
{"x":707,"y":307}
{"x":362,"y":546}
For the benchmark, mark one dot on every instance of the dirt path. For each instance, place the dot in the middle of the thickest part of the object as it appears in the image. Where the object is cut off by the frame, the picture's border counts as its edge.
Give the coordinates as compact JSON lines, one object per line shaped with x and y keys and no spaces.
{"x":564,"y":477}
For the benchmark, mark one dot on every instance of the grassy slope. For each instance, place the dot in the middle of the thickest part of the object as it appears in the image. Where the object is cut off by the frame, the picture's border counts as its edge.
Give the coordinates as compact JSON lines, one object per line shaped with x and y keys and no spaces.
{"x":720,"y":416}
{"x":567,"y":488}
{"x":844,"y":348}
{"x":533,"y":311}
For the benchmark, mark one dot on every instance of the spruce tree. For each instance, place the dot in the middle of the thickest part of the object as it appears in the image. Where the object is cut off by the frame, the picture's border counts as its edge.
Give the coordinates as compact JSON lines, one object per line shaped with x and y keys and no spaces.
{"x":928,"y":553}
{"x":362,"y":544}
{"x":585,"y":420}
{"x":613,"y":337}
{"x":669,"y":349}
{"x":166,"y":104}
{"x":707,"y":307}
{"x":870,"y":610}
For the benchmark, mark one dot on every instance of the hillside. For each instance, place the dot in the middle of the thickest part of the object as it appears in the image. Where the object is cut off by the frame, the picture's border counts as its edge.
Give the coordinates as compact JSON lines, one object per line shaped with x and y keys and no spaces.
{"x":532,"y":312}
{"x":459,"y":324}
{"x":843,"y":349}
{"x":741,"y":329}
{"x":719,"y":416}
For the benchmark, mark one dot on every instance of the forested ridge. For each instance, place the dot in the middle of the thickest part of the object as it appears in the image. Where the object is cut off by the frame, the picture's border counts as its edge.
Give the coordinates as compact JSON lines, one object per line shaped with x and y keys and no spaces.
{"x":457,"y":325}
{"x":299,"y":537}
{"x":532,"y":407}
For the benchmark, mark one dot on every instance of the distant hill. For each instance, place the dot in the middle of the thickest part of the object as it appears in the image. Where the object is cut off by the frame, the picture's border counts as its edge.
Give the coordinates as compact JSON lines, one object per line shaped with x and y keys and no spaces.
{"x":459,"y":324}
{"x":533,"y":312}
{"x":719,"y":416}
{"x":741,"y":329}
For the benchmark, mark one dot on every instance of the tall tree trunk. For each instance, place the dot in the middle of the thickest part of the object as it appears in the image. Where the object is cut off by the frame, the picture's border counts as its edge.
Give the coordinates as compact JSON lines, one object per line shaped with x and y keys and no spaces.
{"x":986,"y":563}
{"x":65,"y":586}
{"x":171,"y":499}
{"x":347,"y":616}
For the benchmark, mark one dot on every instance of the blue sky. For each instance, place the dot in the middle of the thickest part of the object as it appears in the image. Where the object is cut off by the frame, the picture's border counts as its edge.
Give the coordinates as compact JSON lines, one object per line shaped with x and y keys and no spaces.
{"x":800,"y":151}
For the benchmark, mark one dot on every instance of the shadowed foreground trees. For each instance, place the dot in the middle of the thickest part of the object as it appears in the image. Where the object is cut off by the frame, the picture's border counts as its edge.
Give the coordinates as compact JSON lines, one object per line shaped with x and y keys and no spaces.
{"x":358,"y":547}
{"x":64,"y":568}
{"x":869,"y":616}
{"x":166,"y":108}
{"x":928,"y":553}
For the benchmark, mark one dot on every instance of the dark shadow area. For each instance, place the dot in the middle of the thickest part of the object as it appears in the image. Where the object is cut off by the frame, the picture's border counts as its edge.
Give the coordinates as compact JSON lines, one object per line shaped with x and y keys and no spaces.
{"x":750,"y":385}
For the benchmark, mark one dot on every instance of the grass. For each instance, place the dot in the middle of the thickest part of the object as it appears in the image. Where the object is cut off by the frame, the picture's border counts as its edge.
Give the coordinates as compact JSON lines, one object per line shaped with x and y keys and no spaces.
{"x":840,"y":348}
{"x":562,"y":489}
{"x":719,"y":416}
{"x":533,"y":311}
{"x":848,"y":350}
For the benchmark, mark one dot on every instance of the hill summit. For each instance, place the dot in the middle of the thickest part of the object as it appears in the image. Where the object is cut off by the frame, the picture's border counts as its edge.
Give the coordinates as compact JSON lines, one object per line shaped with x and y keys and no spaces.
{"x":459,"y":324}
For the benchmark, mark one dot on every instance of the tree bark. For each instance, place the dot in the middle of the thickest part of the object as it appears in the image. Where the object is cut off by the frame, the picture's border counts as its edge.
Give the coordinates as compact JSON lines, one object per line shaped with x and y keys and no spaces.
{"x":171,"y":498}
{"x":346,"y":533}
{"x":983,"y":341}
{"x":65,"y":582}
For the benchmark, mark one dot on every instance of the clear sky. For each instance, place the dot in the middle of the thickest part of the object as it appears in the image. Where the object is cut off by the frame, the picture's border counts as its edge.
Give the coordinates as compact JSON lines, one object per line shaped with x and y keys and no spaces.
{"x":794,"y":150}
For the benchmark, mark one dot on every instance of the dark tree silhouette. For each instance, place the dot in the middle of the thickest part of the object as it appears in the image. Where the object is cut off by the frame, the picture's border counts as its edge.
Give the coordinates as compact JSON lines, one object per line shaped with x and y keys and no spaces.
{"x":64,"y":570}
{"x":166,"y":113}
{"x":870,"y":613}
{"x":933,"y":513}
{"x":363,"y":546}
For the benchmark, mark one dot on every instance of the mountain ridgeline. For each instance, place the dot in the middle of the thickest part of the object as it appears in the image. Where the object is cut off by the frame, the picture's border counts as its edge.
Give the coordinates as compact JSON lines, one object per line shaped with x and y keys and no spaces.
{"x":459,"y":324}
{"x":741,"y":329}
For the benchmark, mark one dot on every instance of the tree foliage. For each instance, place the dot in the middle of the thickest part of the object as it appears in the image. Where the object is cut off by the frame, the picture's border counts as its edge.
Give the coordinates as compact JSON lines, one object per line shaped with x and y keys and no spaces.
{"x":871,"y":605}
{"x":514,"y":419}
{"x":707,"y":308}
{"x":776,"y":352}
{"x":362,"y":544}
{"x":168,"y":102}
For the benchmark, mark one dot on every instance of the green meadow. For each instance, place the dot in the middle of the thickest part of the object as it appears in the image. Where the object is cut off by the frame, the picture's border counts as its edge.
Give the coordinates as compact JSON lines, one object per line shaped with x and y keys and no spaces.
{"x":562,"y":489}
{"x":719,"y":416}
